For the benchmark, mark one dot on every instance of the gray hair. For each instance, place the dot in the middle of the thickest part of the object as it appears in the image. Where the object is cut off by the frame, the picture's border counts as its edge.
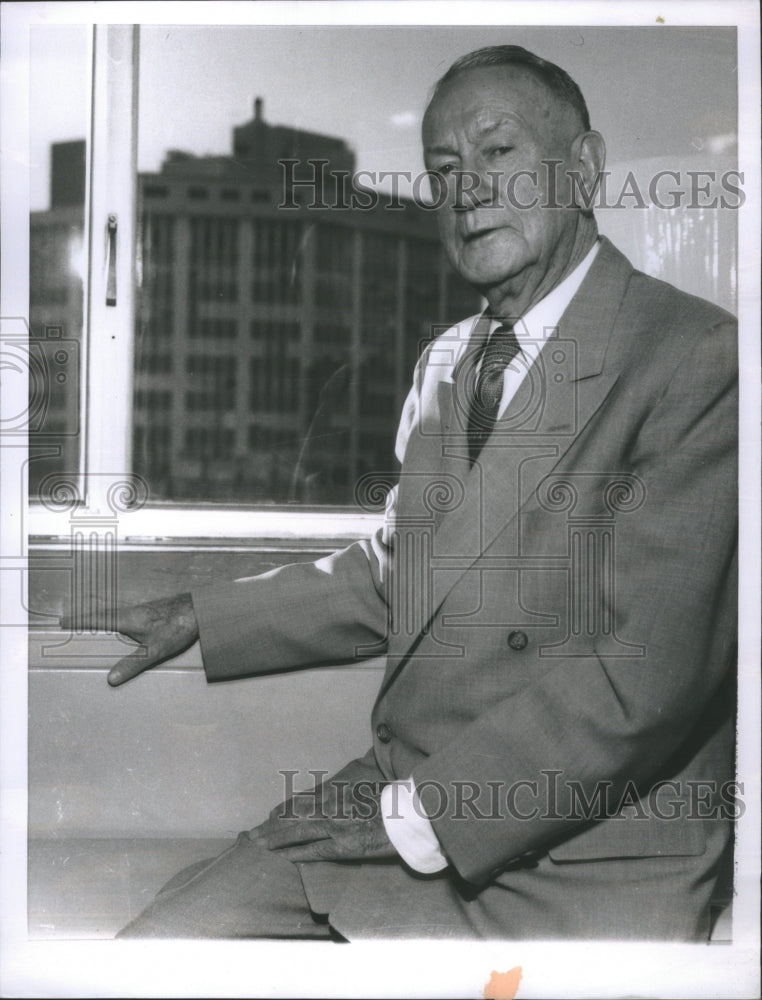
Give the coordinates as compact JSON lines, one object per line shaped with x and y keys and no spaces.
{"x":555,"y":79}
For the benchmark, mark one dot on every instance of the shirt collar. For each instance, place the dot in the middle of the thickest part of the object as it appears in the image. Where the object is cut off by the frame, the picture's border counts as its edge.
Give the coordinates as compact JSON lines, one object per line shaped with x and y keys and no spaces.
{"x":532,"y":329}
{"x":542,"y":319}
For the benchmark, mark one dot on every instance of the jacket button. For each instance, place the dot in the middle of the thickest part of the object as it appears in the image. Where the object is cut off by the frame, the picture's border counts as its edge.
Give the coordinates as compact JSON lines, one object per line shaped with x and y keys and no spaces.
{"x":384,"y":733}
{"x":518,"y":640}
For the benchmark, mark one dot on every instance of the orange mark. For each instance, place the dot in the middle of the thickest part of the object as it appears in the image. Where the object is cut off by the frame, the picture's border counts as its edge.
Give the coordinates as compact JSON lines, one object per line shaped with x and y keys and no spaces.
{"x":660,"y":19}
{"x":503,"y":985}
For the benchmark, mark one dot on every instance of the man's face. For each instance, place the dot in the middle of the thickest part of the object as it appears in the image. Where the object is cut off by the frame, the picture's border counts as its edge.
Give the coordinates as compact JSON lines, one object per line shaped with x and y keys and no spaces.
{"x":493,"y":123}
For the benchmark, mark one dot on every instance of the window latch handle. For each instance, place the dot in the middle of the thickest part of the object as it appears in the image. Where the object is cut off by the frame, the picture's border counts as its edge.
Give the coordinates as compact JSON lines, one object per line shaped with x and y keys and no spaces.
{"x":111,"y":262}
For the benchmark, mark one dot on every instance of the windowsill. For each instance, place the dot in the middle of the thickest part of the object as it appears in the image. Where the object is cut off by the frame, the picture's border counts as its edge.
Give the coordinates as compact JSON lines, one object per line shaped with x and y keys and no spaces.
{"x":53,"y":649}
{"x":177,"y":524}
{"x":71,"y":572}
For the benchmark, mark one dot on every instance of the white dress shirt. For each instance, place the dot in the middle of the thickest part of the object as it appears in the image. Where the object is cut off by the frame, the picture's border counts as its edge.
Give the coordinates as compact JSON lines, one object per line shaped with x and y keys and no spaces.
{"x":406,"y":823}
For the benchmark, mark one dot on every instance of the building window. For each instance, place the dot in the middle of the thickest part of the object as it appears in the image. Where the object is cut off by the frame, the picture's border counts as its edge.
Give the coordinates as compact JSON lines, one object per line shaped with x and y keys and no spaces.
{"x":210,"y":328}
{"x":275,"y":261}
{"x":213,"y":264}
{"x":155,"y":363}
{"x":211,"y":381}
{"x":209,"y":443}
{"x":266,"y":329}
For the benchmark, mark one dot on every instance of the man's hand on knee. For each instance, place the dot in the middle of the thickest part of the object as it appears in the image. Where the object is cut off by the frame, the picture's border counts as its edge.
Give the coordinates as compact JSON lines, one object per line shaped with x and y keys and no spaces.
{"x":164,"y":628}
{"x":326,"y":839}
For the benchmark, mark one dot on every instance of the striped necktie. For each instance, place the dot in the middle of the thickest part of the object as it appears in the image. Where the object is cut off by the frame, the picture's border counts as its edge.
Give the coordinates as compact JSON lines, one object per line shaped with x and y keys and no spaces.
{"x":502,"y":347}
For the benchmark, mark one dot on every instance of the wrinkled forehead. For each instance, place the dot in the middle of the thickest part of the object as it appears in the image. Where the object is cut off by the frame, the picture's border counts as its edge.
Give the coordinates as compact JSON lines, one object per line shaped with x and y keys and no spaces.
{"x":478,"y":100}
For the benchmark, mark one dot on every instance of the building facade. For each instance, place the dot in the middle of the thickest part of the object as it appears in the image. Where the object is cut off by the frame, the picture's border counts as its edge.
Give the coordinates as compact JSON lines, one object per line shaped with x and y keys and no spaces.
{"x":275,"y":344}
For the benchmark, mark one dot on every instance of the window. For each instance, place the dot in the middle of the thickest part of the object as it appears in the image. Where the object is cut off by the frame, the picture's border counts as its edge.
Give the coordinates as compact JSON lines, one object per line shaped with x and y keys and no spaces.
{"x":213,"y":264}
{"x":243,"y":335}
{"x":213,"y":382}
{"x":275,"y":261}
{"x":296,"y":319}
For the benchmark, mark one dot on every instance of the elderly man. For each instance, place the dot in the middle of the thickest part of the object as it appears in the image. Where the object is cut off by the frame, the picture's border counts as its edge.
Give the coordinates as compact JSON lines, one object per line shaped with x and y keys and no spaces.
{"x":554,"y":589}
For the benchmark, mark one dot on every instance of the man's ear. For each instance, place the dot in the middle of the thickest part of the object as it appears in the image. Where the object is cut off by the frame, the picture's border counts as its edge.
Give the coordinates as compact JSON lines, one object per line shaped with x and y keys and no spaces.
{"x":589,"y":155}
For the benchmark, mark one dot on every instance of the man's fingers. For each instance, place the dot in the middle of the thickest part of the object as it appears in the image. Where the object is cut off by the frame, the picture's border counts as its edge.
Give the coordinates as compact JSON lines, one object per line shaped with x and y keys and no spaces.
{"x":353,"y":847}
{"x":324,"y":840}
{"x":130,"y":666}
{"x":318,"y":850}
{"x":290,"y":833}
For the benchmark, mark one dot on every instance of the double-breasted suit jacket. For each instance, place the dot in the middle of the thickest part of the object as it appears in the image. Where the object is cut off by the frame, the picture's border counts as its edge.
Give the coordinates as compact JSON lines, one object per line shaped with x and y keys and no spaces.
{"x":559,"y":625}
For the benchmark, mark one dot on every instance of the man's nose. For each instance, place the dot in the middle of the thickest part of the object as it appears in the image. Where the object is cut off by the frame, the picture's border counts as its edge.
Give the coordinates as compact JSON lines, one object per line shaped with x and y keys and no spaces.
{"x":474,"y":188}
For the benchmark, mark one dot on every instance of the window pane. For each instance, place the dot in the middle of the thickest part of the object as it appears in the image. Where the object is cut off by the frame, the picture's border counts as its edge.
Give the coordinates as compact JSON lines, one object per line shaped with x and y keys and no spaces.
{"x":59,"y":118}
{"x":274,"y":345}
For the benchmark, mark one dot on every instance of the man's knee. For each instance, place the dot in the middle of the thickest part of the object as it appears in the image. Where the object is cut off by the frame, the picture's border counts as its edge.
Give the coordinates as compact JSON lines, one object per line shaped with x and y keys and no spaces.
{"x":246,"y":891}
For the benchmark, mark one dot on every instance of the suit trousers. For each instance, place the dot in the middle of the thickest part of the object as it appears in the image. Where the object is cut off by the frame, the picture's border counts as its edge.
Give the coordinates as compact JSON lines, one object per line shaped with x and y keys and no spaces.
{"x":250,"y":892}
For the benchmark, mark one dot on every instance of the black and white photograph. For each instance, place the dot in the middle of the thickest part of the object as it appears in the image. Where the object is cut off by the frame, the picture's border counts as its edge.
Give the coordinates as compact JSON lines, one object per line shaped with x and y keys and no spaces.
{"x":380,"y":422}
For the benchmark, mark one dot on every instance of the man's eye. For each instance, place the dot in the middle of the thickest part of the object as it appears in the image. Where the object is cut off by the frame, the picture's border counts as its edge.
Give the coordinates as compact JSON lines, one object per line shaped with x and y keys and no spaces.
{"x":501,"y":150}
{"x":444,"y":169}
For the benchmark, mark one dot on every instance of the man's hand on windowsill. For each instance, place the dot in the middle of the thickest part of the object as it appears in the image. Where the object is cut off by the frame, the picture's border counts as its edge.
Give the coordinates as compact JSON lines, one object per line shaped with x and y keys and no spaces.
{"x":164,"y":628}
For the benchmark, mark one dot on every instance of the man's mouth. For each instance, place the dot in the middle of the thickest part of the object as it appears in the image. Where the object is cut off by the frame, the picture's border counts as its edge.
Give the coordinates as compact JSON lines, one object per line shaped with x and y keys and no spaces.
{"x":476,"y":234}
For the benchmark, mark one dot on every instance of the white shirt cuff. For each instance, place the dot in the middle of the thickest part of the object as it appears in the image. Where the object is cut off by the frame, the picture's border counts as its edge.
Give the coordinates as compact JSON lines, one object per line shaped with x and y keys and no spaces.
{"x":410,"y":829}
